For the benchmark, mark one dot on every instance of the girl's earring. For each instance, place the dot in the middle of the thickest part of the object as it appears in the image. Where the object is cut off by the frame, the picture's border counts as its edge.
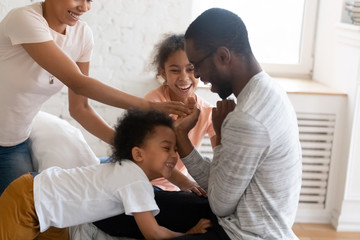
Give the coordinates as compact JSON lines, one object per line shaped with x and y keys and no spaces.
{"x":163,"y":80}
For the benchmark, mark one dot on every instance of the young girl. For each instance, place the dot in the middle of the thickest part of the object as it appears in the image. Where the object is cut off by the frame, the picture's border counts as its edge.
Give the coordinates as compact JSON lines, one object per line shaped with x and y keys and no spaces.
{"x":43,"y":47}
{"x":179,"y":84}
{"x":44,"y":204}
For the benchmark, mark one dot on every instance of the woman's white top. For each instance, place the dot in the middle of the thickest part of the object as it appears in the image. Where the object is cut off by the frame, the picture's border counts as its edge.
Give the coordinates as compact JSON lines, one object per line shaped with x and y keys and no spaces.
{"x":24,"y":85}
{"x":68,"y":197}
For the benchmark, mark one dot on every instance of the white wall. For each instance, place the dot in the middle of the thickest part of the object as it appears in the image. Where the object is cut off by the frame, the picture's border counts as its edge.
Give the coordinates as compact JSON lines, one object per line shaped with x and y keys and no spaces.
{"x":125,"y":33}
{"x":337,"y":64}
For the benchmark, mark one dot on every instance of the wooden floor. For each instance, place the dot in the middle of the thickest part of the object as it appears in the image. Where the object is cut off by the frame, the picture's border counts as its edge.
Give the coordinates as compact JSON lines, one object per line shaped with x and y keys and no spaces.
{"x":312,"y":231}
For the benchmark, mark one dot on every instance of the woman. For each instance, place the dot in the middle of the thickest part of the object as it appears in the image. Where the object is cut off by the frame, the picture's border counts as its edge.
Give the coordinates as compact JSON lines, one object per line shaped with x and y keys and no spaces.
{"x":43,"y":47}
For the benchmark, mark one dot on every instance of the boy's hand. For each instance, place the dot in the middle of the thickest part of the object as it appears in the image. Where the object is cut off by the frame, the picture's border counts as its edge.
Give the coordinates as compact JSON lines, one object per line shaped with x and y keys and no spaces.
{"x":200,"y":227}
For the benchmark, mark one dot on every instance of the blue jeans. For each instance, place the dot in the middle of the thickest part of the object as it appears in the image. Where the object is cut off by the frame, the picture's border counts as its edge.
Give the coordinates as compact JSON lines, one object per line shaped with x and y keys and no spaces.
{"x":14,"y":162}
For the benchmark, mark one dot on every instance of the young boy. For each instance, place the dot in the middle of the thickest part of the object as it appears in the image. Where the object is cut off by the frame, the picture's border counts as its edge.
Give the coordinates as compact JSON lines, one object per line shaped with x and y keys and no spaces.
{"x":44,"y":204}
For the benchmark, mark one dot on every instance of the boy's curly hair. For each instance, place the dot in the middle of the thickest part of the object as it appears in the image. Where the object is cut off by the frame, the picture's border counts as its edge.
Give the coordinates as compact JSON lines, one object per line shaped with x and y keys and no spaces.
{"x":132,"y":128}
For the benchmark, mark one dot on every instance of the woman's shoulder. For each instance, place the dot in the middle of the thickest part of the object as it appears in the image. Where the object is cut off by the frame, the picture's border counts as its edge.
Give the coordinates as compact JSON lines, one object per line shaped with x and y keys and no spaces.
{"x":25,"y":17}
{"x":29,"y":10}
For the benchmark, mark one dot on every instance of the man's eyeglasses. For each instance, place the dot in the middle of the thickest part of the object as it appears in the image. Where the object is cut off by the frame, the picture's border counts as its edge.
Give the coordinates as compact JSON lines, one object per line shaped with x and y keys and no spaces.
{"x":198,"y":63}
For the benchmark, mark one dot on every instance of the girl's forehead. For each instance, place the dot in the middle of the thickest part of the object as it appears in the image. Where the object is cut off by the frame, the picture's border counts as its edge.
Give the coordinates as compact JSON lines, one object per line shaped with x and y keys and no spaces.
{"x":177,"y":58}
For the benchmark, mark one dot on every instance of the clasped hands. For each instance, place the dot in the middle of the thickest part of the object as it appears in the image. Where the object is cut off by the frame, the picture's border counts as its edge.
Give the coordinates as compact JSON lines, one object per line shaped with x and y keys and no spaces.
{"x":186,"y":122}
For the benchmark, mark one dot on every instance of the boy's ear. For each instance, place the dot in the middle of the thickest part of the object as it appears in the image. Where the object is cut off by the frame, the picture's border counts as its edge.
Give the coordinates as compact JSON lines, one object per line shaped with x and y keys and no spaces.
{"x":137,"y":154}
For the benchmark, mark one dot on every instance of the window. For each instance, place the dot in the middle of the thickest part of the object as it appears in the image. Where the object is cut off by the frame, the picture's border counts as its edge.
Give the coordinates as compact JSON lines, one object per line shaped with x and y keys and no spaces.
{"x":281,"y":32}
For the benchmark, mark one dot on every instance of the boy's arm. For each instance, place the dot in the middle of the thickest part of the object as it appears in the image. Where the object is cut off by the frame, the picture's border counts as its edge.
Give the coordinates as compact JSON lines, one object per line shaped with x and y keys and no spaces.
{"x":151,"y":229}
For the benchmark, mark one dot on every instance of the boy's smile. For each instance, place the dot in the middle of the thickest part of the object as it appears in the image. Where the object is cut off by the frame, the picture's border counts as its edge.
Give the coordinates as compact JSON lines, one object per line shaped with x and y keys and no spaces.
{"x":158,"y":156}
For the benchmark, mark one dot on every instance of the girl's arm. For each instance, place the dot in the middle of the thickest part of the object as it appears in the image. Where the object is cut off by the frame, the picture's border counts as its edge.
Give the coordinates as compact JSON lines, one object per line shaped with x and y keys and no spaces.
{"x":84,"y":114}
{"x":50,"y":57}
{"x":185,"y":184}
{"x":151,"y":229}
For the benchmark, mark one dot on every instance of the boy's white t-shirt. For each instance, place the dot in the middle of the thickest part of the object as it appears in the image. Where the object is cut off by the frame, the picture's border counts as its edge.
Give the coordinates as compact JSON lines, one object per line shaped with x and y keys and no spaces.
{"x":24,"y":85}
{"x":69,"y":197}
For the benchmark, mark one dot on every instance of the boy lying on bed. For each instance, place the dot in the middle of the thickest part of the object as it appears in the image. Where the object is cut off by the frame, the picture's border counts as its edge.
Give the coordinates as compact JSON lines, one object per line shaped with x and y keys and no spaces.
{"x":44,"y":204}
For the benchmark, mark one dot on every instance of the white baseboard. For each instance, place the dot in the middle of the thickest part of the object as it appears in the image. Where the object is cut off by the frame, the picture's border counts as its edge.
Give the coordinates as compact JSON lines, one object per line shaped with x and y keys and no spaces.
{"x":349,"y":218}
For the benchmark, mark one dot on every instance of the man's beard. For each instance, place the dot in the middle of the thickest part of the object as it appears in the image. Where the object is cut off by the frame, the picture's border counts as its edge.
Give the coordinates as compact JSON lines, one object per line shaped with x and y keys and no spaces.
{"x":223,"y":85}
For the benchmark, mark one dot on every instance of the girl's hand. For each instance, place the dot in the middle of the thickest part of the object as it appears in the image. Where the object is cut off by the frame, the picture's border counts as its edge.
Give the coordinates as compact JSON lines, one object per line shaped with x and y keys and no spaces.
{"x":177,"y":108}
{"x":193,"y":187}
{"x":200,"y":227}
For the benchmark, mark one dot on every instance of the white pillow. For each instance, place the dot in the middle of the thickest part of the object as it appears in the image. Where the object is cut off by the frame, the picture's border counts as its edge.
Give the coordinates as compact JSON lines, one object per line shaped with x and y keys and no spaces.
{"x":54,"y":142}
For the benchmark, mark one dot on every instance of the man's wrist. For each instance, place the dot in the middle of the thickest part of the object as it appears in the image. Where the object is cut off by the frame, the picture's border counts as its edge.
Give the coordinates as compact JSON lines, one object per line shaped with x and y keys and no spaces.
{"x":181,"y":133}
{"x":184,"y":144}
{"x":148,"y":105}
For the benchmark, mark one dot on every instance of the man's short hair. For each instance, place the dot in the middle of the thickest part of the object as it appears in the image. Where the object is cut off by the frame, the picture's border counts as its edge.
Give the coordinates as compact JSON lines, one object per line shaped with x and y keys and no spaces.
{"x":219,"y":27}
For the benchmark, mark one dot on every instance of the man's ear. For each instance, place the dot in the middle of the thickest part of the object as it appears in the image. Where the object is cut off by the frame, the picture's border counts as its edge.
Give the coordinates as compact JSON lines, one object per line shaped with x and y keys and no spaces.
{"x":224,"y":55}
{"x":137,"y":154}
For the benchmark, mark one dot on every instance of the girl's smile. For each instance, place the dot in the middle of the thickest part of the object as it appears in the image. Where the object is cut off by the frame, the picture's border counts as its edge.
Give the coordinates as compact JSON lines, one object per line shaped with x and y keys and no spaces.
{"x":179,"y":75}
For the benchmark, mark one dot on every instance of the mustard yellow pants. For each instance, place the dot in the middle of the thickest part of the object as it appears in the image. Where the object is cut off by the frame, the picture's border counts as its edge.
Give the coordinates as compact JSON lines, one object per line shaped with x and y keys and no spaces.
{"x":18,"y":219}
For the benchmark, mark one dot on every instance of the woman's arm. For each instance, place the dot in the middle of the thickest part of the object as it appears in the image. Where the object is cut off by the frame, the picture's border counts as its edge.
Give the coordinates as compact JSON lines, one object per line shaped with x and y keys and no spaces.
{"x":50,"y":57}
{"x":151,"y":229}
{"x":84,"y":114}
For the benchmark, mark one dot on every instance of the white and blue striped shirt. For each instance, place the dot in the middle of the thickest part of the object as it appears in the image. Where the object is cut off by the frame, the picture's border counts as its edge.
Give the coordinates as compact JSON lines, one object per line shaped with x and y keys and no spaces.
{"x":254,"y":179}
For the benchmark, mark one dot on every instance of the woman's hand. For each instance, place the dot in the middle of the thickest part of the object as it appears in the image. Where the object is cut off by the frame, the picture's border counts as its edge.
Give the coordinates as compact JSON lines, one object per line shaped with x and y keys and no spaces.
{"x":177,"y":108}
{"x":200,"y":227}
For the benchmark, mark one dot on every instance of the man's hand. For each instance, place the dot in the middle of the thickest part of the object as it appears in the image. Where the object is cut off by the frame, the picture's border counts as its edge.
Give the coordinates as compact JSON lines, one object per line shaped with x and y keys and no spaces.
{"x":182,"y":127}
{"x":223,"y":108}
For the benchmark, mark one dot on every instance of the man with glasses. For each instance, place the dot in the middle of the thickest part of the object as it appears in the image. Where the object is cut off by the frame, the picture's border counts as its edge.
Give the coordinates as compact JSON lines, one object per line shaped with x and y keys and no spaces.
{"x":254,"y":179}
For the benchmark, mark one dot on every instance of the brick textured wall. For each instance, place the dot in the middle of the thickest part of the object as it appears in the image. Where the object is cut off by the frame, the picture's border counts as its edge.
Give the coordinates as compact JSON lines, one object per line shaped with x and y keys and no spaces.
{"x":125,"y":32}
